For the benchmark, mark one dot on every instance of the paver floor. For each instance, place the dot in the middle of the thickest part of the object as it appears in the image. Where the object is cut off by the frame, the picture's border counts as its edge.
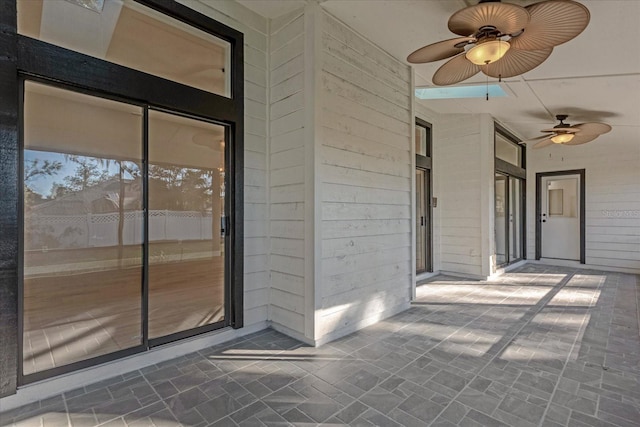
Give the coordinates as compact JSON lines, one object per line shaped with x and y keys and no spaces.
{"x":540,"y":346}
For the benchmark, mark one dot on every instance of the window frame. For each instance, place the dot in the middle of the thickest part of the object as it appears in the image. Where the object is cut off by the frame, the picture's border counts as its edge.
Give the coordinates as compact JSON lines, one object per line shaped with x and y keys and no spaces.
{"x":42,"y":62}
{"x":425,"y":163}
{"x":509,"y":170}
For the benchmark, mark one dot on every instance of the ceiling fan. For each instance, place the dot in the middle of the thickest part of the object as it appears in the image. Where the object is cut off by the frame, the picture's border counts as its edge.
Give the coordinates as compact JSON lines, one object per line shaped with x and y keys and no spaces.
{"x":565,"y":134}
{"x":502,"y":39}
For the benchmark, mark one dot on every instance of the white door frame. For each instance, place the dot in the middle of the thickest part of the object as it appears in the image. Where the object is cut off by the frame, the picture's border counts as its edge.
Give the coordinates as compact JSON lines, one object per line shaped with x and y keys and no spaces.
{"x":539,"y":218}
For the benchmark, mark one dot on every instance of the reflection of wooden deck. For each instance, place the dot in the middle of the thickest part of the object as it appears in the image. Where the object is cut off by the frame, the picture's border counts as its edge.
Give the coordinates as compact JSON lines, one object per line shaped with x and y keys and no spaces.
{"x":73,"y":317}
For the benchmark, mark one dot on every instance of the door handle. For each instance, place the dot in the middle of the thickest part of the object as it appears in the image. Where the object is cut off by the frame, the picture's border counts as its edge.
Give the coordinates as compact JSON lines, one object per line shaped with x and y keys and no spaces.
{"x":422,"y":221}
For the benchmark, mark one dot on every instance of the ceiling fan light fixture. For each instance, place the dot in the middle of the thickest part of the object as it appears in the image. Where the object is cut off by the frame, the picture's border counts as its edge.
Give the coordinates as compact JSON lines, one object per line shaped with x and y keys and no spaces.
{"x":487,"y":52}
{"x":562,"y":138}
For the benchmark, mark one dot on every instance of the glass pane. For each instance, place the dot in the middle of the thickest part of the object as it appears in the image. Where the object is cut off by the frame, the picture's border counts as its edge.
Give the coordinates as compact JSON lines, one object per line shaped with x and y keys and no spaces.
{"x":186,"y":224}
{"x":421,"y":256}
{"x":83,"y":227}
{"x":515,"y":218}
{"x":129,"y":34}
{"x":507,"y":150}
{"x":421,"y":140}
{"x":500,"y":219}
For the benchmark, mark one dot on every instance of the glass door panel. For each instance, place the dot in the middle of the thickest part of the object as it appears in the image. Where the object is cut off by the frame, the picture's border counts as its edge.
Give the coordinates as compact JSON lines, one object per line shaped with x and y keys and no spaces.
{"x":501,"y":209}
{"x":423,"y":244}
{"x":515,"y":219}
{"x":420,"y":235}
{"x":186,"y":224}
{"x":83,"y":227}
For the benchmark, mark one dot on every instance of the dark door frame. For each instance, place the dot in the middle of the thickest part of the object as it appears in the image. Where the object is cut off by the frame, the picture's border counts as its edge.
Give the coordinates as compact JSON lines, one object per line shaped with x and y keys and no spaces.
{"x":539,"y":176}
{"x":510,"y":170}
{"x":428,"y":264}
{"x":424,"y":163}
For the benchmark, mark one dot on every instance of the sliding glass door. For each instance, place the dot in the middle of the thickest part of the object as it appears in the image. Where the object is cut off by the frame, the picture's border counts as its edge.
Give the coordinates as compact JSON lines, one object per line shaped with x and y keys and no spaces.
{"x":186,"y":234}
{"x":423,"y":196}
{"x":509,"y":198}
{"x":83,"y":227}
{"x":125,"y":228}
{"x":423,"y":221}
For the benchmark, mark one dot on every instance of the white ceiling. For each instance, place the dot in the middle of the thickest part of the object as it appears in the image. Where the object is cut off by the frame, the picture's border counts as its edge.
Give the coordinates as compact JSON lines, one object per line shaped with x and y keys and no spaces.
{"x":594,"y":77}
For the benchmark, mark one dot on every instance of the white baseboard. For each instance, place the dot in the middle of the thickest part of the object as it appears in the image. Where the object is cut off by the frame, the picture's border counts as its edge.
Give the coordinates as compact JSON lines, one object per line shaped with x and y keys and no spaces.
{"x":60,"y":384}
{"x":339,"y":333}
{"x":291,"y":333}
{"x":576,"y":264}
{"x":427,"y":275}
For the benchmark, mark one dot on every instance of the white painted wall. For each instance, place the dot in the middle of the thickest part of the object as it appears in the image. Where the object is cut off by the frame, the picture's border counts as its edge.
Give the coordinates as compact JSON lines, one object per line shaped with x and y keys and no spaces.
{"x":463,"y":184}
{"x":256,"y":224}
{"x":288,"y":184}
{"x":365,"y":176}
{"x":612,"y":168}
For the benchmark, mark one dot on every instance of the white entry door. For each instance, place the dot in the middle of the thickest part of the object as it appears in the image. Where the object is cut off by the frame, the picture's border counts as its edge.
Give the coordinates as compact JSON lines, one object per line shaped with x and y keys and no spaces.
{"x":561,"y":217}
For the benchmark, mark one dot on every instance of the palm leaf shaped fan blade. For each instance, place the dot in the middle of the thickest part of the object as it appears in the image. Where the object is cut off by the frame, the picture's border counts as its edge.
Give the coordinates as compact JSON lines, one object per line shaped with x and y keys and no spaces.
{"x":578,"y":134}
{"x":542,"y":141}
{"x":440,"y":50}
{"x":588,"y":132}
{"x":526,"y":36}
{"x":506,"y":17}
{"x":552,"y":23}
{"x":455,"y":70}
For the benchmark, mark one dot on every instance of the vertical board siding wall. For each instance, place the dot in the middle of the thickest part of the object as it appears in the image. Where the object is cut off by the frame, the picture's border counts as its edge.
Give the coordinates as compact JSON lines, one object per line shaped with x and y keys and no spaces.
{"x":287,"y":184}
{"x":457,"y":150}
{"x":612,"y":168}
{"x":256,"y":224}
{"x":365,"y":173}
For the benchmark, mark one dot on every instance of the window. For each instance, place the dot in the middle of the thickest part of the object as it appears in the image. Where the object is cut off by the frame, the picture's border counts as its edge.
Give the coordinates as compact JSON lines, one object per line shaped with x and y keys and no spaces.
{"x":130,"y":34}
{"x":132,"y":181}
{"x":508,"y":150}
{"x":423,"y":139}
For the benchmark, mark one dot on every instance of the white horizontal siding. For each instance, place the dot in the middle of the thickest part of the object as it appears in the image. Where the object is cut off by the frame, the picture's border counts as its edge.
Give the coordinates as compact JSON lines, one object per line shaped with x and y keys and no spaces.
{"x":365,"y":173}
{"x":287,"y":174}
{"x":457,"y":181}
{"x":612,"y":200}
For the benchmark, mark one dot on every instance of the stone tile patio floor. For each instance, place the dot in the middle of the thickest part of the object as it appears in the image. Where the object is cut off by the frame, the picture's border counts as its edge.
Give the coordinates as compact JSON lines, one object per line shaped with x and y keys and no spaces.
{"x":540,"y":346}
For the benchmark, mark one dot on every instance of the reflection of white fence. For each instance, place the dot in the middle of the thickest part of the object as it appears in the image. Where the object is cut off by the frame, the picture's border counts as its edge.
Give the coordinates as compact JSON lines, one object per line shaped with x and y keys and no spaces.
{"x":99,"y":230}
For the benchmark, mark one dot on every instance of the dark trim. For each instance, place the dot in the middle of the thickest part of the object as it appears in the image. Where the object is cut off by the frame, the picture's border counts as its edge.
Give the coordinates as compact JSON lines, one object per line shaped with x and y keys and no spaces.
{"x":193,"y":18}
{"x":82,"y":364}
{"x":429,"y":127}
{"x":38,"y":58}
{"x":429,"y":226}
{"x":235,"y":204}
{"x":53,"y":65}
{"x":498,"y":128}
{"x":539,"y":176}
{"x":426,"y":163}
{"x":21,"y":245}
{"x":510,"y":169}
{"x":9,"y":201}
{"x":145,"y":236}
{"x":423,"y":162}
{"x":188,"y":333}
{"x":506,"y":206}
